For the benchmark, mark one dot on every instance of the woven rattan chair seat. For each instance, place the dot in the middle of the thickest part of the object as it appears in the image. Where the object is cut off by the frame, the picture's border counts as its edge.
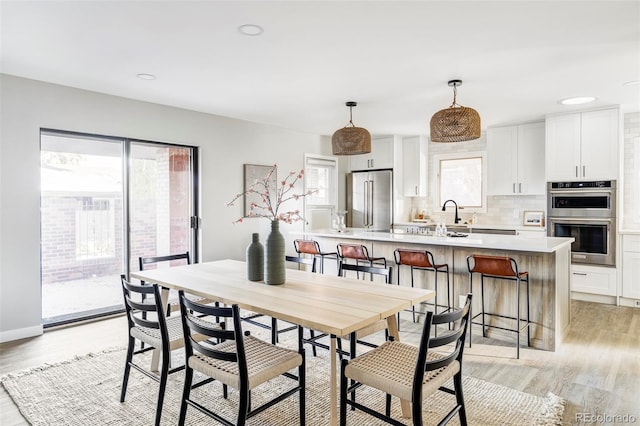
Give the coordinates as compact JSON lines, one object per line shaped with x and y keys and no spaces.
{"x":264,"y":362}
{"x":391,"y":368}
{"x":151,"y":336}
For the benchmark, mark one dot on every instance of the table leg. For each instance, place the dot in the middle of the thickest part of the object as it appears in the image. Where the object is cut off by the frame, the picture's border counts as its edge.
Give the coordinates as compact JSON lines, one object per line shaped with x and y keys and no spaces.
{"x":392,"y":326}
{"x":333,"y":382}
{"x":155,"y":357}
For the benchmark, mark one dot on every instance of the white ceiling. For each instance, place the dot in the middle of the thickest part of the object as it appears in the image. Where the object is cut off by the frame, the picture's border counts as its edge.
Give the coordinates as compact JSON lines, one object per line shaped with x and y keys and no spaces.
{"x":516,"y":58}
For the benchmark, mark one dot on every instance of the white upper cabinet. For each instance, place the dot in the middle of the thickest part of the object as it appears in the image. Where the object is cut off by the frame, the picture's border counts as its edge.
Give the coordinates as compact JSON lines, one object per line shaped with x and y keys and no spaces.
{"x":414,"y":166}
{"x":380,"y":157}
{"x":515,"y":157}
{"x":583,"y":145}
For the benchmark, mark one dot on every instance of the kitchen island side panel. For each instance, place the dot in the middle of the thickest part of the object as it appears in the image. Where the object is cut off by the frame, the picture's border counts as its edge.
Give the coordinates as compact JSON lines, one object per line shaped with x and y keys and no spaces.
{"x":548,"y":286}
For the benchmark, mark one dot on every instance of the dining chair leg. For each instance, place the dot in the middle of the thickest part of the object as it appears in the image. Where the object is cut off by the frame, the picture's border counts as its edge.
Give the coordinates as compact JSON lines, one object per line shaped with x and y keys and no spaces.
{"x":188,"y":378}
{"x":457,"y":383}
{"x":302,"y":382}
{"x":274,"y":331}
{"x":244,"y":407}
{"x":127,"y":367}
{"x":163,"y":384}
{"x":343,"y":394}
{"x":387,"y":405}
{"x":313,"y":347}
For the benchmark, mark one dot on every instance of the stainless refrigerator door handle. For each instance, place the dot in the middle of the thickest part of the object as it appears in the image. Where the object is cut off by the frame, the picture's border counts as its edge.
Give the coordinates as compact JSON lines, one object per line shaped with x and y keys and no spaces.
{"x":366,"y":204}
{"x":370,"y":203}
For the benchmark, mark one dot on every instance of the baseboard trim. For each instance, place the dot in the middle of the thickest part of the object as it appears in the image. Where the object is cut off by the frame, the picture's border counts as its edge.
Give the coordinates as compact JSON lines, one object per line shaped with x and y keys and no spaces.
{"x":628,"y":302}
{"x":21,"y":333}
{"x":589,"y":297}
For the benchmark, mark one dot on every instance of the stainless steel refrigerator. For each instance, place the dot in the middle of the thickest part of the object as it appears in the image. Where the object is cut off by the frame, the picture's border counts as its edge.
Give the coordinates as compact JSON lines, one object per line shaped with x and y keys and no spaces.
{"x":369,"y":200}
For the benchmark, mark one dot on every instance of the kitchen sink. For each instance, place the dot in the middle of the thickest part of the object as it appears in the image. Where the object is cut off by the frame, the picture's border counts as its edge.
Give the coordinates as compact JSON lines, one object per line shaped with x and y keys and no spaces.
{"x":456,"y":234}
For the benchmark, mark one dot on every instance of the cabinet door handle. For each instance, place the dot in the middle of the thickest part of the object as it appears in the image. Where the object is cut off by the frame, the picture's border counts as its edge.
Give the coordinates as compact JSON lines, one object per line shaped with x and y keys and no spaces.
{"x":576,"y":171}
{"x":416,"y":189}
{"x":584,"y":171}
{"x":514,"y":188}
{"x":580,"y":273}
{"x":520,"y":188}
{"x":372,"y":163}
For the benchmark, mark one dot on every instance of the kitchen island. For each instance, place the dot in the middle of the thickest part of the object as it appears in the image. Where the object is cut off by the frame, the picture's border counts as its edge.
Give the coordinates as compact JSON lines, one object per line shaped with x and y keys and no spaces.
{"x":547,"y":259}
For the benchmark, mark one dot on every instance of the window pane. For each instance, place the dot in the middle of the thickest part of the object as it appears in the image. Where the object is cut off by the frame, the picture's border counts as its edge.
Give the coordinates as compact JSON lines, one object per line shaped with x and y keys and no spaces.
{"x":461,"y":180}
{"x":81,"y":226}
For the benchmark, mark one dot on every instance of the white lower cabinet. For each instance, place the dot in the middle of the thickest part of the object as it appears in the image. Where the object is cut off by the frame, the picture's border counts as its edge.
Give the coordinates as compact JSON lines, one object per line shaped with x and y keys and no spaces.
{"x":593,"y":279}
{"x":631,"y":266}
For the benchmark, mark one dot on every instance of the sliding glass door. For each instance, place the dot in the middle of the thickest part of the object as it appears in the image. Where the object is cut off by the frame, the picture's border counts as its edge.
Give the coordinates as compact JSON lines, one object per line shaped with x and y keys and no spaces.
{"x":98,"y":216}
{"x":160,"y":202}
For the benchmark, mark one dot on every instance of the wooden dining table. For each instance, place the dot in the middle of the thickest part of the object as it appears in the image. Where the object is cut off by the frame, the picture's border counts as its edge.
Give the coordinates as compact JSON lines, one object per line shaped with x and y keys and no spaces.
{"x":330,"y":304}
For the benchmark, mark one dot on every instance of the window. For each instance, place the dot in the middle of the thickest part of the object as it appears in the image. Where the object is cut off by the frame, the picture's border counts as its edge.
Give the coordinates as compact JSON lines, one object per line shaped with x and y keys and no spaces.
{"x":321,"y":176}
{"x":95,"y":229}
{"x":461,"y":177}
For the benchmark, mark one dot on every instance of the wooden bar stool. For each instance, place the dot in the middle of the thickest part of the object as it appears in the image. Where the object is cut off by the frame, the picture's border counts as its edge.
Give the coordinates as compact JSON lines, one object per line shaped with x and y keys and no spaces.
{"x":311,"y":247}
{"x":423,"y":260}
{"x":506,"y":268}
{"x":359,"y":253}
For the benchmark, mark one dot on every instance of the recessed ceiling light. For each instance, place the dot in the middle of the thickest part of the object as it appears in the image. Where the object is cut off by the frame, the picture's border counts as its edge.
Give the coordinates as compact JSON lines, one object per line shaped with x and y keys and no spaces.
{"x":632,"y":83}
{"x":146,"y":76}
{"x":251,"y":29}
{"x":578,"y":100}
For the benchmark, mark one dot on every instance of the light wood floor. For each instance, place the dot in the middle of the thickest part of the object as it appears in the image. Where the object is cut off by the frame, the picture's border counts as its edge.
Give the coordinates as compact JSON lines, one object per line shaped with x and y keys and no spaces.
{"x":596,"y":368}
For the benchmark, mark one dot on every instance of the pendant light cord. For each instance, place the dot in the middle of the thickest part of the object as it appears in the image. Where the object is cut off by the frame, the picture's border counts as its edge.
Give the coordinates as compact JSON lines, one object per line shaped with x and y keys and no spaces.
{"x":455,"y":93}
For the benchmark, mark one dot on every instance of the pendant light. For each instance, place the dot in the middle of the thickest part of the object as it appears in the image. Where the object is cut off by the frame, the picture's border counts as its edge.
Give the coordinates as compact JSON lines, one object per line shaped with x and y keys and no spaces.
{"x":456,"y":123}
{"x":351,"y":140}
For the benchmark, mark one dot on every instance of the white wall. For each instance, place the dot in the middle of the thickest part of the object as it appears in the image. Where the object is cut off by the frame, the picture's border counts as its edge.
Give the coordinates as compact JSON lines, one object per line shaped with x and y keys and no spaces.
{"x":225,"y":145}
{"x":630,"y":191}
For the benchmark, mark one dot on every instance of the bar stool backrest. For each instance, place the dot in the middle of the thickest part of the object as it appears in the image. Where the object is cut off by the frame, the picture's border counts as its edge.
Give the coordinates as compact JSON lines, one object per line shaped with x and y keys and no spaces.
{"x":418,"y":258}
{"x":501,"y":266}
{"x":353,"y":251}
{"x":307,"y":246}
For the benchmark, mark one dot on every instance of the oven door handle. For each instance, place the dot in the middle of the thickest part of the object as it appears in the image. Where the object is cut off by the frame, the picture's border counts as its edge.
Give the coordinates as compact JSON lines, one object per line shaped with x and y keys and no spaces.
{"x":580,"y":191}
{"x":578,"y":219}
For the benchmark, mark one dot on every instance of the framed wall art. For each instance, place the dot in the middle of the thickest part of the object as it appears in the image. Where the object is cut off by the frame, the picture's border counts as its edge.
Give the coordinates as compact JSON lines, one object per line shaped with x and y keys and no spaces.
{"x":533,"y":218}
{"x":255,"y":178}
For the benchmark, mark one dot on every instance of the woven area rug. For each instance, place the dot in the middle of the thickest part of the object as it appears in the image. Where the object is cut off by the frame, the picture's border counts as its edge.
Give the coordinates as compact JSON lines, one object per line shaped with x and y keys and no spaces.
{"x":86,"y":390}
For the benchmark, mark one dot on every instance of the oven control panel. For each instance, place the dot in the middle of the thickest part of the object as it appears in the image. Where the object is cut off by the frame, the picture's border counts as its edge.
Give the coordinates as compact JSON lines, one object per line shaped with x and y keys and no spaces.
{"x":576,"y":185}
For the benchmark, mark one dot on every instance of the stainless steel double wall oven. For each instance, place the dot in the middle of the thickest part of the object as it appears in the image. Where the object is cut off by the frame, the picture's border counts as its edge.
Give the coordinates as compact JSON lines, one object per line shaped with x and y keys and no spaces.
{"x":585,"y":211}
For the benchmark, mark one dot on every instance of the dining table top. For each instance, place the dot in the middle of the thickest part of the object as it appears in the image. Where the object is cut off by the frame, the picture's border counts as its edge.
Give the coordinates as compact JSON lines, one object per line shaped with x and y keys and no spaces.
{"x":327,"y":303}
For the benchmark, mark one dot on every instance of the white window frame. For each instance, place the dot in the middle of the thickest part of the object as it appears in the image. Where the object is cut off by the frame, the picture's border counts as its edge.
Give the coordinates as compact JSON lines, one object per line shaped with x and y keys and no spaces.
{"x":458,"y":156}
{"x":333,"y":202}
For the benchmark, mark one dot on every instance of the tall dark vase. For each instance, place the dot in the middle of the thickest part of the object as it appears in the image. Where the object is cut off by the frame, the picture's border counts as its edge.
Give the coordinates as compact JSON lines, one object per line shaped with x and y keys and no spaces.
{"x":274,"y":270}
{"x":255,"y":259}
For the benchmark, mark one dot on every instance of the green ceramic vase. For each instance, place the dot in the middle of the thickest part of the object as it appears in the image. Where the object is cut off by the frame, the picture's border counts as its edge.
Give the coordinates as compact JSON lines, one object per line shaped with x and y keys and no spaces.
{"x":274,"y":270}
{"x":255,"y":259}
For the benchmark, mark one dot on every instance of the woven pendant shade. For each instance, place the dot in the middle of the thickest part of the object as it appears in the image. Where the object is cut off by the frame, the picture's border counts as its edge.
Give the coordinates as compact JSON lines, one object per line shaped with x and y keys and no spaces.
{"x":456,"y":123}
{"x":351,"y":140}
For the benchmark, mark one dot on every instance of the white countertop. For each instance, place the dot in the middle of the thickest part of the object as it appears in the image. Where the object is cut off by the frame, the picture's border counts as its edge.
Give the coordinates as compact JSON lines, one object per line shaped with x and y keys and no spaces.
{"x":542,"y":244}
{"x":476,"y":226}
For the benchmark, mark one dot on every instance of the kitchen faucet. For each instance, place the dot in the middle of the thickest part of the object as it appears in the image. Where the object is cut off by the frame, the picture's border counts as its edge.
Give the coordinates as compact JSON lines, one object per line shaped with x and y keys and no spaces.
{"x":456,"y":219}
